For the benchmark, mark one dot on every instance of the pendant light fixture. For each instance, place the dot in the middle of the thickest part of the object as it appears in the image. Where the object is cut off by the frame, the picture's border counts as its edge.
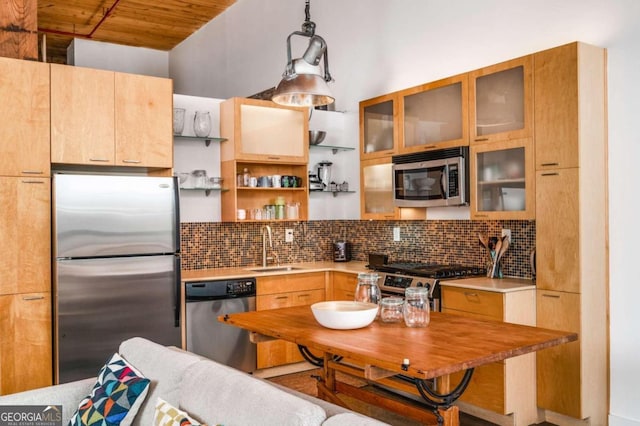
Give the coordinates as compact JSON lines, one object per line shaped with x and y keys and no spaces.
{"x":303,"y":82}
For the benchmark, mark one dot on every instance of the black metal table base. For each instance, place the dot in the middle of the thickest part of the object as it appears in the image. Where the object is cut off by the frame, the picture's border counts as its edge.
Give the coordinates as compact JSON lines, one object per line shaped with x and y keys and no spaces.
{"x":433,"y":400}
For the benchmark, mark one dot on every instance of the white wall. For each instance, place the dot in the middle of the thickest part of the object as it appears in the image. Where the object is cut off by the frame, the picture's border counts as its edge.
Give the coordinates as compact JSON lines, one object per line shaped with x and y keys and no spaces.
{"x":116,"y":57}
{"x":378,"y":46}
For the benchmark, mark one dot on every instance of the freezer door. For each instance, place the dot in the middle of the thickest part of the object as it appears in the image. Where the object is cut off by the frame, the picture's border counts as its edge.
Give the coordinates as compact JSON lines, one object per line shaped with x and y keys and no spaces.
{"x":101,"y":302}
{"x":103,"y":215}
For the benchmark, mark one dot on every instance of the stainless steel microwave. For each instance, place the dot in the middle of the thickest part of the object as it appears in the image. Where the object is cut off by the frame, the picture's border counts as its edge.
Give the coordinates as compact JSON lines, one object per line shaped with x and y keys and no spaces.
{"x":432,"y":178}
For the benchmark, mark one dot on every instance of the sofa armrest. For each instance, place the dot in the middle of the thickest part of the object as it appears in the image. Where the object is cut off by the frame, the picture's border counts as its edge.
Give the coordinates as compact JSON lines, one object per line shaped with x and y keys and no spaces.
{"x":68,"y":395}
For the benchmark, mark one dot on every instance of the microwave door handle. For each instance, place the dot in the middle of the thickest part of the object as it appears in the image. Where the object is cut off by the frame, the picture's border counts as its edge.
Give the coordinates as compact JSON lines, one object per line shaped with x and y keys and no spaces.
{"x":443,"y":181}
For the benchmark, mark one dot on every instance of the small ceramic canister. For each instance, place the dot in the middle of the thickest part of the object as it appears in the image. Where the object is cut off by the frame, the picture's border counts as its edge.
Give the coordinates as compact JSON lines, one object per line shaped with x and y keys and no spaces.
{"x":276,"y":181}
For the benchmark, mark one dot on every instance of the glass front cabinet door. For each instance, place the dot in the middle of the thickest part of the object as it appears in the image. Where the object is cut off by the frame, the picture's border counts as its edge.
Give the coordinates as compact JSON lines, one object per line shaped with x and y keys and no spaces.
{"x":501,"y":101}
{"x":378,"y":127}
{"x":502,"y":180}
{"x":377,"y":189}
{"x":434,"y":115}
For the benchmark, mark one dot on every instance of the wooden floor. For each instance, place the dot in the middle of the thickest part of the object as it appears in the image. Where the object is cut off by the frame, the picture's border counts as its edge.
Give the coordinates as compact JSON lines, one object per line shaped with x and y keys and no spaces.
{"x":305,"y":382}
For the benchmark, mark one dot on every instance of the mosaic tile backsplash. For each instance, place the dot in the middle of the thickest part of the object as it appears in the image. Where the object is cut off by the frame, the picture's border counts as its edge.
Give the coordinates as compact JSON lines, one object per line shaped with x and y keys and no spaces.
{"x":227,"y":244}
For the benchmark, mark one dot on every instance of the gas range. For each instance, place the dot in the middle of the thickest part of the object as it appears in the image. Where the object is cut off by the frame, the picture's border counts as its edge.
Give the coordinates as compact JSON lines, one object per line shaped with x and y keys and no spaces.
{"x":396,"y":277}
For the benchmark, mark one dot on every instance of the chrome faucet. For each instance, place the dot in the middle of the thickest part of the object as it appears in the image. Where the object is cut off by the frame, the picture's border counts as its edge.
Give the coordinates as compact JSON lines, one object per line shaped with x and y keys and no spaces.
{"x":266,"y":234}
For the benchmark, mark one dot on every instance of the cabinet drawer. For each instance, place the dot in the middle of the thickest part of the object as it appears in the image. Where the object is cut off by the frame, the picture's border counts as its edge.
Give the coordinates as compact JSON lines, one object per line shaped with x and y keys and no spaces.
{"x":485,"y":303}
{"x":290,"y":282}
{"x":343,"y":286}
{"x":294,"y":298}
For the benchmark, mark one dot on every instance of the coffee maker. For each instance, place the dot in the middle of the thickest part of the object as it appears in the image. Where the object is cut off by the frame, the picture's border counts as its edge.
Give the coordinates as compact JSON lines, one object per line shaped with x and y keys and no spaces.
{"x":324,"y":174}
{"x":341,"y":251}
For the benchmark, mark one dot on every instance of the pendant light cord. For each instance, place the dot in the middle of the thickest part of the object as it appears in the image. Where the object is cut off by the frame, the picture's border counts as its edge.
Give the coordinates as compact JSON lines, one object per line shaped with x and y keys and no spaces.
{"x":308,"y":26}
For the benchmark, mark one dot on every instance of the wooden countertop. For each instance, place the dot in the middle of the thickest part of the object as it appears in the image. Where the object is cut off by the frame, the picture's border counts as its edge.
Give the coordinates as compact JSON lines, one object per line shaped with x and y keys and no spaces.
{"x":450,"y":343}
{"x":498,"y":285}
{"x":353,"y":267}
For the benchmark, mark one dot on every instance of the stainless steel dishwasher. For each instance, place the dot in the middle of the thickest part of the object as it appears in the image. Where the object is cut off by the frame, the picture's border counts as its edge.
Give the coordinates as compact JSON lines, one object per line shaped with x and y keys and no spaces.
{"x":206,"y":336}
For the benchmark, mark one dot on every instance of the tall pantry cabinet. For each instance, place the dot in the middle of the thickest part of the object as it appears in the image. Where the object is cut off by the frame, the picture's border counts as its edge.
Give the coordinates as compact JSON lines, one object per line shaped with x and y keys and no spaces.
{"x":25,"y":254}
{"x":571,"y":224}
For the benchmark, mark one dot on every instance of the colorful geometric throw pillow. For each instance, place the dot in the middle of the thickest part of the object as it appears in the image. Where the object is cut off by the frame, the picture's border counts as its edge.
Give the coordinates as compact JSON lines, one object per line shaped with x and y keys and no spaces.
{"x":115,"y":398}
{"x":168,"y":415}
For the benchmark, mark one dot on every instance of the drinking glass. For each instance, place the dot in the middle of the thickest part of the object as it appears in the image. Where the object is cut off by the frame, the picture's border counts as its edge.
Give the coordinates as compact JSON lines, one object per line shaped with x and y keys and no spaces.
{"x":178,"y":121}
{"x":202,"y":124}
{"x":416,"y":307}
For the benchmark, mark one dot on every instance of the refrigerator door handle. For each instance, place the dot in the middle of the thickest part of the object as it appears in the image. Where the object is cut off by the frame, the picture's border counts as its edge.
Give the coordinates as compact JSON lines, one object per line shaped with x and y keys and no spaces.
{"x":178,"y":292}
{"x":176,"y":226}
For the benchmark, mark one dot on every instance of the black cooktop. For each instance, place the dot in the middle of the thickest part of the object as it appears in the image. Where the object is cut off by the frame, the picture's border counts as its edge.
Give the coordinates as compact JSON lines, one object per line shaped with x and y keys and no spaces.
{"x":430,"y":270}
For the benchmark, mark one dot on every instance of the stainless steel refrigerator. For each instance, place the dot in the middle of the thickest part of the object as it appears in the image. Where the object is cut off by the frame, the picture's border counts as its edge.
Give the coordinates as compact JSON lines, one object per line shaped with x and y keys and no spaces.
{"x":117,"y":266}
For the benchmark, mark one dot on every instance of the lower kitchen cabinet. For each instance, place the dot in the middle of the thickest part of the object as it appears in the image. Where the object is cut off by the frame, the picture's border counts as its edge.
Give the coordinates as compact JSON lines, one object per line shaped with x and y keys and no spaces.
{"x":343,"y":286}
{"x":25,"y":342}
{"x":507,"y":387}
{"x":559,"y":368}
{"x":283,"y":291}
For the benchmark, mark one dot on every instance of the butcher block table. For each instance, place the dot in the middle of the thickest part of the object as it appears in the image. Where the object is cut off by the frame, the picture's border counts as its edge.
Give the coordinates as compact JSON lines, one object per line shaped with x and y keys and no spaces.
{"x":398,"y":357}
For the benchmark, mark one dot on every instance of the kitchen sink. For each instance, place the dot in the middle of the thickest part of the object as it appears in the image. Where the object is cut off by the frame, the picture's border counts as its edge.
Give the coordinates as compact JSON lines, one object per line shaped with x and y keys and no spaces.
{"x":275,"y":269}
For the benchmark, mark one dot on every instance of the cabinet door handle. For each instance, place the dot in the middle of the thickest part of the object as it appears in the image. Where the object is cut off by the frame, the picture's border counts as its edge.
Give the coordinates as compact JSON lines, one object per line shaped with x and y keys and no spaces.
{"x":33,"y":181}
{"x":32,"y":172}
{"x":466,"y":293}
{"x":99,"y":160}
{"x":481,"y":215}
{"x":131,"y":161}
{"x":282,"y":297}
{"x":304,"y":295}
{"x":550,"y":174}
{"x":29,"y":298}
{"x":549,"y":164}
{"x":553,"y":296}
{"x":273,"y":158}
{"x":429,"y":147}
{"x":481,"y":139}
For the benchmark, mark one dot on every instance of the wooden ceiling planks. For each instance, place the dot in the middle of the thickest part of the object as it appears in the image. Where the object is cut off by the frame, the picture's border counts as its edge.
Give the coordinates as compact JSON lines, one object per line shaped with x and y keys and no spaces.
{"x":18,"y":36}
{"x":142,"y":23}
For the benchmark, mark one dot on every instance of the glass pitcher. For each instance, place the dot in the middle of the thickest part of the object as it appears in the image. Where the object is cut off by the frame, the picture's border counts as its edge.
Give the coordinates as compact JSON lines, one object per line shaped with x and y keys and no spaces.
{"x":368,"y":290}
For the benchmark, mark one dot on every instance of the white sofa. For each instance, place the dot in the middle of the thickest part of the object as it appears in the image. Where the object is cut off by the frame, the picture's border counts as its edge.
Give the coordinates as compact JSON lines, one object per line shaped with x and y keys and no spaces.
{"x":211,"y":392}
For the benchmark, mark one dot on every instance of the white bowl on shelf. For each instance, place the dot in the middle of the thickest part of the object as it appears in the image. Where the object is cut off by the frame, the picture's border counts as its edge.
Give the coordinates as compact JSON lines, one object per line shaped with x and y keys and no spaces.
{"x":344,"y":315}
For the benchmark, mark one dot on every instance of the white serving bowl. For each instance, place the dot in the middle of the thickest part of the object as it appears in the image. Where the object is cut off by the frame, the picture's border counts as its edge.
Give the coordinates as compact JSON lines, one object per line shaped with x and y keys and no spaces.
{"x":344,"y":315}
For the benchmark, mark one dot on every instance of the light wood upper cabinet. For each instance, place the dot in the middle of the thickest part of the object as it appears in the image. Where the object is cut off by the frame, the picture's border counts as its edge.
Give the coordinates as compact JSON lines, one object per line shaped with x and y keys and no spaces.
{"x":25,"y":226}
{"x":503,"y":180}
{"x":434,"y":115}
{"x":262,"y":131}
{"x":111,"y":119}
{"x":24,"y":133}
{"x":82,"y":116}
{"x":379,"y":127}
{"x":566,"y":117}
{"x":143,"y":121}
{"x":501,"y":101}
{"x":25,"y":342}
